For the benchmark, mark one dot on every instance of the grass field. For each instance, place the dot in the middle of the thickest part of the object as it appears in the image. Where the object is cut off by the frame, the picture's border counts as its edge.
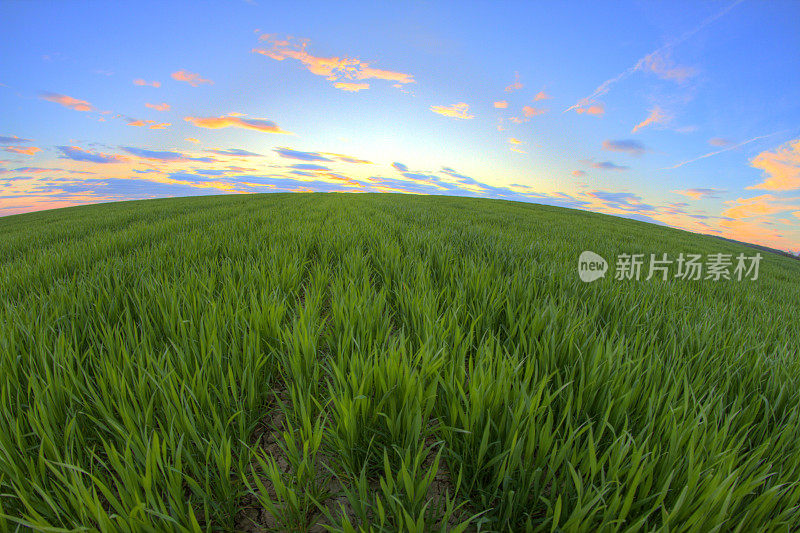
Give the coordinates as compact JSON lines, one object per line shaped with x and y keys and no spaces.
{"x":385,"y":362}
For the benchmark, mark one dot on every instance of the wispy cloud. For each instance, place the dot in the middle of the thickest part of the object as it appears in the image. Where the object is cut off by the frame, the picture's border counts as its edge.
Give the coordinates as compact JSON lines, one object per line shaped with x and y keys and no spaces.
{"x":781,"y":167}
{"x":662,"y":66}
{"x":24,"y":150}
{"x":164,"y":155}
{"x":346,"y":73}
{"x":541,"y":95}
{"x":655,"y":116}
{"x":604,"y":87}
{"x":710,"y":154}
{"x":530,"y":111}
{"x":13,"y":139}
{"x":719,"y":141}
{"x":192,"y":78}
{"x":158,"y":107}
{"x":516,"y":86}
{"x":596,"y":109}
{"x":502,"y":104}
{"x":76,"y":153}
{"x":627,"y":146}
{"x":604,"y":165}
{"x":351,"y":86}
{"x":699,"y":194}
{"x":234,"y":121}
{"x":67,"y":101}
{"x":459,"y":110}
{"x":144,"y":83}
{"x":301,"y":156}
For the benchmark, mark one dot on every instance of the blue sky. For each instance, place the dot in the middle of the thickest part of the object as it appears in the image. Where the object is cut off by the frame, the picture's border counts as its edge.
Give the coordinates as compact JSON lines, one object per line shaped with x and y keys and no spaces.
{"x":683,"y":113}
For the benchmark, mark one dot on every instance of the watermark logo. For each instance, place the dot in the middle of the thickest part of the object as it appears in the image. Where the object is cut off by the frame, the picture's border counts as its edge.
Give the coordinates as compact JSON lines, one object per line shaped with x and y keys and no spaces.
{"x":591,"y":266}
{"x":714,"y":267}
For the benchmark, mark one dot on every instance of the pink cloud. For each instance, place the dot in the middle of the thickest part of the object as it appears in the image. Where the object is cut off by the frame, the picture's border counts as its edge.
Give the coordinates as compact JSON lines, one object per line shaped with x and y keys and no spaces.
{"x":144,"y":83}
{"x":191,"y":78}
{"x":67,"y":101}
{"x":158,"y":107}
{"x":656,"y":116}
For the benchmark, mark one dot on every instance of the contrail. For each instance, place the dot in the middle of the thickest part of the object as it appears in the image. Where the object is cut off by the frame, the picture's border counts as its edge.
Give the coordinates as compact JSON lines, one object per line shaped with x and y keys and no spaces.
{"x":604,"y":87}
{"x":723,"y":150}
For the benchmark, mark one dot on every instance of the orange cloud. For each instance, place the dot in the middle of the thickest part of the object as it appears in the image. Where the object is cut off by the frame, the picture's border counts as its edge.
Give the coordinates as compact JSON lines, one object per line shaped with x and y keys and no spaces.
{"x":597,"y":110}
{"x":529,"y":111}
{"x":344,"y":71}
{"x":459,"y":110}
{"x":781,"y":167}
{"x":67,"y":101}
{"x":512,"y":140}
{"x":656,"y":116}
{"x":517,"y":85}
{"x":351,"y":87}
{"x":541,"y":95}
{"x":26,"y":150}
{"x":160,"y":126}
{"x":192,"y":140}
{"x":797,"y":214}
{"x":578,"y":173}
{"x":143,"y":83}
{"x":766,"y":204}
{"x":191,"y":78}
{"x":229,"y":121}
{"x":502,"y":104}
{"x":158,"y":107}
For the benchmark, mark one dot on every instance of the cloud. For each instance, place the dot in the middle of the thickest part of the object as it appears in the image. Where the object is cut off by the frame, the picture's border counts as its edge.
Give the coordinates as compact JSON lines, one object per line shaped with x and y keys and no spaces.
{"x":236,"y":152}
{"x":502,"y":104}
{"x":67,"y":101}
{"x":517,"y":85}
{"x":627,"y":146}
{"x":541,"y":95}
{"x":232,"y":121}
{"x":719,"y":141}
{"x":604,"y":87}
{"x":345,"y":72}
{"x":459,"y":110}
{"x":663,"y":67}
{"x":160,"y":125}
{"x":350,"y":86}
{"x":596,"y":109}
{"x":781,"y":167}
{"x":699,"y":194}
{"x":512,"y":140}
{"x":656,"y":116}
{"x":604,"y":165}
{"x":164,"y":155}
{"x":158,"y":107}
{"x":144,"y":83}
{"x":721,"y":151}
{"x":191,"y":78}
{"x":530,"y":111}
{"x":13,"y":140}
{"x":766,"y":204}
{"x":79,"y":154}
{"x":192,"y":140}
{"x":302,"y":156}
{"x":400,"y":167}
{"x":578,"y":173}
{"x":25,"y":150}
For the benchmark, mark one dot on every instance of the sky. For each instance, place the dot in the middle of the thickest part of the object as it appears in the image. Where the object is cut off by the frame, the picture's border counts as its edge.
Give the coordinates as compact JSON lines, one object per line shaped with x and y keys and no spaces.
{"x":684,"y":114}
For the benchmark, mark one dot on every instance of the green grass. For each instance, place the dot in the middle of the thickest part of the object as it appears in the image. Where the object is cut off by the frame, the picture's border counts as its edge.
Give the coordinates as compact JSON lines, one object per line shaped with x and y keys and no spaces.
{"x":384,"y":362}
